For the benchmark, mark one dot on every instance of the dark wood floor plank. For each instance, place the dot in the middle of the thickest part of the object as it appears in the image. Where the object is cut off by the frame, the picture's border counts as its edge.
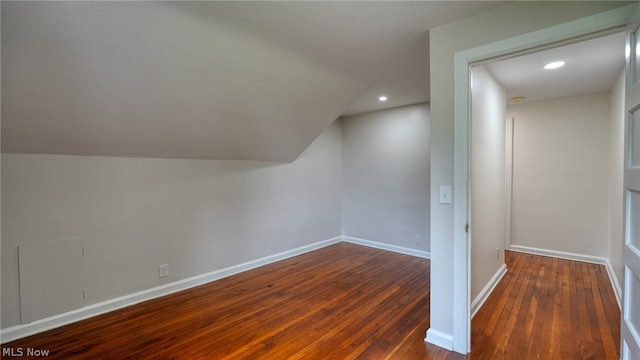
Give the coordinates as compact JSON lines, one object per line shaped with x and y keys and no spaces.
{"x":536,"y":316}
{"x":549,"y":347}
{"x":590,"y":344}
{"x":606,"y":309}
{"x":494,"y":344}
{"x":567,"y":334}
{"x":518,"y":341}
{"x":507,"y":319}
{"x":604,"y":332}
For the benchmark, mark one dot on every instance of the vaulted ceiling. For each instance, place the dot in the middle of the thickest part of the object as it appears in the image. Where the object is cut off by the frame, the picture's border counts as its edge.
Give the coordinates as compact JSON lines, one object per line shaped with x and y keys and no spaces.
{"x":206,"y":80}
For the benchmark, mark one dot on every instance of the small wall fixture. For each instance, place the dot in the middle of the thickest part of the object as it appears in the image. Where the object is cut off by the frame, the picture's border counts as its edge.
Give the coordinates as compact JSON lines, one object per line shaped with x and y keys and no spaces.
{"x":382,"y":98}
{"x":554,"y":65}
{"x":517,"y":99}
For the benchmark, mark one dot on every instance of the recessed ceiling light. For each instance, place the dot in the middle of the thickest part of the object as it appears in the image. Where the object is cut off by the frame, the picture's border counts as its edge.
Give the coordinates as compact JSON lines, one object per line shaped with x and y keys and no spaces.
{"x":517,"y":99}
{"x":554,"y":65}
{"x":382,"y":98}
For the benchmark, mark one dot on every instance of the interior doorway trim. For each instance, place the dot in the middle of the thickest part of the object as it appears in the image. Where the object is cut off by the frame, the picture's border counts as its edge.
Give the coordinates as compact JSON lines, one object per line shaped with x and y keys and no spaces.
{"x":508,"y":178}
{"x":463,"y":61}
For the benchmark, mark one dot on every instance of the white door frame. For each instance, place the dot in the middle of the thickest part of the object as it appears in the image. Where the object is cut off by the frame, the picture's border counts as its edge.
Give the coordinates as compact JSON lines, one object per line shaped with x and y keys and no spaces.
{"x":463,"y":61}
{"x":508,"y":178}
{"x":630,"y":342}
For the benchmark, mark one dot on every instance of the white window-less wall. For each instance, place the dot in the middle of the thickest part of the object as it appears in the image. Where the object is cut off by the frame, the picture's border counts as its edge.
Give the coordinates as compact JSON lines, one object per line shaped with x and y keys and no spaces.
{"x":385,"y":161}
{"x":560,"y":175}
{"x":488,"y":199}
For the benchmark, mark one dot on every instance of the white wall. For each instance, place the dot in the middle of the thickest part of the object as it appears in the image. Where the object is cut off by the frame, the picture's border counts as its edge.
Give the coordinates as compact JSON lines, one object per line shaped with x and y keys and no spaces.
{"x":560,"y":174}
{"x":616,"y":179}
{"x":195,"y":215}
{"x":386,"y":176}
{"x":488,"y":199}
{"x":503,"y":22}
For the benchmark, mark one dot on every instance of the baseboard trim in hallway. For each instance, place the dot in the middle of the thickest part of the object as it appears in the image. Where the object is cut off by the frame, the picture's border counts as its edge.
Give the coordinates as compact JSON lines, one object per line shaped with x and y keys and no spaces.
{"x":477,"y":303}
{"x":576,"y":257}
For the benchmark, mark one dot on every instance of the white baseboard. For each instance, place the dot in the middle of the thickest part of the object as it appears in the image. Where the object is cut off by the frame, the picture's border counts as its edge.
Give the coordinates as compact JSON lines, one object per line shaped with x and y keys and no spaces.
{"x":487,"y":290}
{"x":558,"y":254}
{"x":614,"y":282}
{"x":388,"y":247}
{"x":24,"y":330}
{"x":577,"y":257}
{"x":440,"y":339}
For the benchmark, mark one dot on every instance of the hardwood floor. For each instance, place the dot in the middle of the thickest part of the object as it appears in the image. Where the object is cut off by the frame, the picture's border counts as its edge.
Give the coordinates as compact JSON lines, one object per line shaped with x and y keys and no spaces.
{"x":340,"y":302}
{"x":351,"y":302}
{"x":548,"y":308}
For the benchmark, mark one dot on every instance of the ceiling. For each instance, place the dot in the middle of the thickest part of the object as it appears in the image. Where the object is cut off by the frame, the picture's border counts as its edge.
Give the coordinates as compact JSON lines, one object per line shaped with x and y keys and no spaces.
{"x":591,"y":66}
{"x":238,"y":80}
{"x":207,"y":80}
{"x":383,"y":44}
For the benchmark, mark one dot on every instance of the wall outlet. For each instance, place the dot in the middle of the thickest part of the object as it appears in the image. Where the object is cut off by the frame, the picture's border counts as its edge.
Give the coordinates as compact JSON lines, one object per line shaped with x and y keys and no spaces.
{"x":163,"y":270}
{"x":418,"y":239}
{"x":497,"y":253}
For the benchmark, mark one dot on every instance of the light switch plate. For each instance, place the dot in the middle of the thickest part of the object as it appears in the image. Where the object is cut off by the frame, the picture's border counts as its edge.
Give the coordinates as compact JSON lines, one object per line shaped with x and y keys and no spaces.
{"x":445,"y":194}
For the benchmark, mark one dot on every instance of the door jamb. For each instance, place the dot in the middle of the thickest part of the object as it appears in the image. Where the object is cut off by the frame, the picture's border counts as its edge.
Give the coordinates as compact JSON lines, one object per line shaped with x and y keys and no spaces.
{"x":508,"y":178}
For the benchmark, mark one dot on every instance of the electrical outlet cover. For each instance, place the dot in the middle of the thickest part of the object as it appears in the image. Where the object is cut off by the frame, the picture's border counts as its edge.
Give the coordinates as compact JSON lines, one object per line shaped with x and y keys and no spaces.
{"x":164,"y":270}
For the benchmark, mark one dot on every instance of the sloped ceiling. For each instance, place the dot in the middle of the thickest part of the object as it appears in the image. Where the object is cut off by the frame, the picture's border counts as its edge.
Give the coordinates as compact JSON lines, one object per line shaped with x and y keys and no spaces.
{"x":150,"y":80}
{"x":206,"y":80}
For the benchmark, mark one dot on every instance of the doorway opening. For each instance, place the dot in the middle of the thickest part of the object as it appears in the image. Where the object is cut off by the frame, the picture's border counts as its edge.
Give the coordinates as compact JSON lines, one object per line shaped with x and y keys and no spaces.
{"x":543,"y":39}
{"x":564,"y":139}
